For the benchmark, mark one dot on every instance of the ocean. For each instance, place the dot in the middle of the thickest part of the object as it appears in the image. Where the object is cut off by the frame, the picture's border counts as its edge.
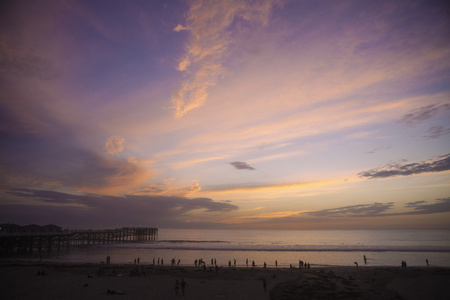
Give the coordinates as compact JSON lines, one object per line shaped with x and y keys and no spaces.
{"x":317,"y":247}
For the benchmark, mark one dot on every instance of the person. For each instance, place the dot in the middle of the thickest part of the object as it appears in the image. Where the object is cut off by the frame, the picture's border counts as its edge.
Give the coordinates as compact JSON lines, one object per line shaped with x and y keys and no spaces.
{"x":176,"y":287}
{"x":195,"y":262}
{"x":138,"y":260}
{"x":276,"y":264}
{"x":365,"y":259}
{"x":265,"y":265}
{"x":427,"y":262}
{"x":183,"y":286}
{"x":229,"y":264}
{"x":246,"y":262}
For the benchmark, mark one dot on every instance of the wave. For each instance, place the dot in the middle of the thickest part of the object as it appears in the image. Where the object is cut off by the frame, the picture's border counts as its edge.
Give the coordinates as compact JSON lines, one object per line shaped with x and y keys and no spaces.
{"x":227,"y":246}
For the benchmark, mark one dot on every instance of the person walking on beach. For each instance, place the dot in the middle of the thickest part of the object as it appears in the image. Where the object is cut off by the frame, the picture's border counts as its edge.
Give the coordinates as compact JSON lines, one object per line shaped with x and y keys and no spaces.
{"x":183,"y":286}
{"x":176,"y":287}
{"x":246,"y":262}
{"x":276,"y":264}
{"x":365,"y":259}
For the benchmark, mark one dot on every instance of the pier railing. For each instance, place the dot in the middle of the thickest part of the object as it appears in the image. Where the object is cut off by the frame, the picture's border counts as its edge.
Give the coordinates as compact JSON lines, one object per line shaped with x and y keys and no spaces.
{"x":29,"y":242}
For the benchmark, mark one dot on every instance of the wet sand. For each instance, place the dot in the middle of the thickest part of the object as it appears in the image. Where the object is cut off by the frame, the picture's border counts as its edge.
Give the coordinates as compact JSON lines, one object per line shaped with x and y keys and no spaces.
{"x":92,"y":281}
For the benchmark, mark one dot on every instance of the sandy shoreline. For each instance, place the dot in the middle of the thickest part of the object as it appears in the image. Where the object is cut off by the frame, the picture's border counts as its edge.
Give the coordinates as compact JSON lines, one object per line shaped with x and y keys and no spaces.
{"x":84,"y":281}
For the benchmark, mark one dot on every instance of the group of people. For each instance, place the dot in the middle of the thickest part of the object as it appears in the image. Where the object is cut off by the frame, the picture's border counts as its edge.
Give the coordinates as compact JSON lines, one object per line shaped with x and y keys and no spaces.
{"x":403,"y":264}
{"x":177,"y":285}
{"x":160,"y":261}
{"x":173,"y":262}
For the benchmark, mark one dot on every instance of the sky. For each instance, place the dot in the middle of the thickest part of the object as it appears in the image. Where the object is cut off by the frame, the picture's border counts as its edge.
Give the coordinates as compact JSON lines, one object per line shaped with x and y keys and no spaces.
{"x":265,"y":114}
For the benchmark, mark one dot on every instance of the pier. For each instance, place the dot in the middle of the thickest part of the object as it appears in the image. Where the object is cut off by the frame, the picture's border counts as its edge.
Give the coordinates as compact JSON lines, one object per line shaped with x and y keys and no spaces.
{"x":30,"y":242}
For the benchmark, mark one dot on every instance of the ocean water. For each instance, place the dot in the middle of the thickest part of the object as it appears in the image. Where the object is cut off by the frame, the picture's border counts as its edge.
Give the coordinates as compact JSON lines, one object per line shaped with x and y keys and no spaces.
{"x":318,"y":247}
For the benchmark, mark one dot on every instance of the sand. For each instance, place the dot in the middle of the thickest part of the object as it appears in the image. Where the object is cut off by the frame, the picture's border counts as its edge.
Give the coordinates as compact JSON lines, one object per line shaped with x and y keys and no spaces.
{"x":84,"y":281}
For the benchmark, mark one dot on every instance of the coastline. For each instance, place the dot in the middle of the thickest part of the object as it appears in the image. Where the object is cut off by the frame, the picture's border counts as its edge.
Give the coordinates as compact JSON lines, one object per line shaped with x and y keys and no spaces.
{"x":20,"y":280}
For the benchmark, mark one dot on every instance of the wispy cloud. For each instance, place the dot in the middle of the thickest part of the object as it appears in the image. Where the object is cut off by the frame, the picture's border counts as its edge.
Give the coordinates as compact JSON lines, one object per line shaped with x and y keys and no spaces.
{"x":354,"y":210}
{"x":423,"y":113}
{"x":241,"y":165}
{"x":214,"y":27}
{"x":436,"y":132}
{"x":114,"y":145}
{"x":234,"y":188}
{"x":382,"y":209}
{"x":423,"y":207}
{"x":439,"y":164}
{"x":166,"y":188}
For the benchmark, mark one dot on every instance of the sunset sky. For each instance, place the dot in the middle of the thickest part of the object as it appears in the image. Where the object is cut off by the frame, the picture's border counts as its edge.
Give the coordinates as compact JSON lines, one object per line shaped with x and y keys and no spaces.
{"x":225,"y":114}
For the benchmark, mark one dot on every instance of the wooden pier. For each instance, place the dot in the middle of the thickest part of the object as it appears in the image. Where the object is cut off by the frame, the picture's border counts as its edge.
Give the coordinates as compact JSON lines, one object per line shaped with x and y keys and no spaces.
{"x":29,"y":242}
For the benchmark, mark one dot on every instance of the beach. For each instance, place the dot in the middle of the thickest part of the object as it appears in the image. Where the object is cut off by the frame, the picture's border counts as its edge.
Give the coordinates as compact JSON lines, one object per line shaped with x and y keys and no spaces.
{"x":28,"y":280}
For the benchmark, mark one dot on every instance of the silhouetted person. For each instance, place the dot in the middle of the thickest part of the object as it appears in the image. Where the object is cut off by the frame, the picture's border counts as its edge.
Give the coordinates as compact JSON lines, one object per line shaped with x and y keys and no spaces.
{"x":356,"y":263}
{"x":427,"y":262}
{"x":246,"y":262}
{"x":183,"y":286}
{"x":176,"y":287}
{"x":265,"y":265}
{"x":138,"y":260}
{"x":365,"y":259}
{"x":276,"y":264}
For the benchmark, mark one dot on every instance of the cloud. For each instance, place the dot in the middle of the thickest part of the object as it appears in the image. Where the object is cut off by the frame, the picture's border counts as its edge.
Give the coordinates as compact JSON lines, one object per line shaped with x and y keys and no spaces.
{"x":422,"y":207}
{"x":436,"y":132}
{"x":393,"y":170}
{"x":382,"y":209}
{"x":378,"y":149}
{"x":65,"y":162}
{"x":93,"y":210}
{"x":179,"y":28}
{"x":241,"y":165}
{"x":214,"y":28}
{"x":354,"y":210}
{"x":423,"y":113}
{"x":114,"y":145}
{"x":165,"y":189}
